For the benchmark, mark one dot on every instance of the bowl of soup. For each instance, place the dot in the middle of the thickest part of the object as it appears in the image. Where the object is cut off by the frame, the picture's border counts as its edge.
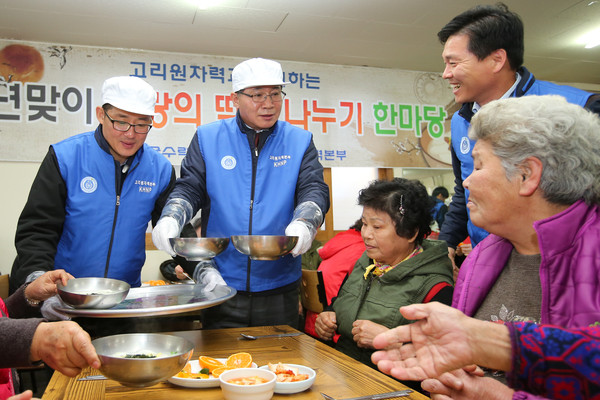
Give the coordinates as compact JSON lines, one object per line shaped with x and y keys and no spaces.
{"x":142,"y":359}
{"x":93,"y":292}
{"x":247,"y":384}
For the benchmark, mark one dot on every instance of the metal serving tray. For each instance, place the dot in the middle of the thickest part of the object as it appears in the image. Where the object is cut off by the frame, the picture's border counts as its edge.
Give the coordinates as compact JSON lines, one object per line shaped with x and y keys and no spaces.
{"x":158,"y":300}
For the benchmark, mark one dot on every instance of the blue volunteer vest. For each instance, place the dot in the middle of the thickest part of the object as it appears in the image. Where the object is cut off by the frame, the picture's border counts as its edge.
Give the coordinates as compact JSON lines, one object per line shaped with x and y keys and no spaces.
{"x":92,"y":214}
{"x":233,"y":208}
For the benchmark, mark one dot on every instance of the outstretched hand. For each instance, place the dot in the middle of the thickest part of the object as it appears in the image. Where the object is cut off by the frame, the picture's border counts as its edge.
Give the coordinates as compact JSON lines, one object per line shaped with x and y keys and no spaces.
{"x":436,"y":343}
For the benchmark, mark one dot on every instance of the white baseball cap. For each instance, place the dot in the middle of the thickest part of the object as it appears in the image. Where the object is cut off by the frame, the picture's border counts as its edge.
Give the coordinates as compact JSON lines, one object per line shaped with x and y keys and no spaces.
{"x":129,"y":93}
{"x":257,"y":72}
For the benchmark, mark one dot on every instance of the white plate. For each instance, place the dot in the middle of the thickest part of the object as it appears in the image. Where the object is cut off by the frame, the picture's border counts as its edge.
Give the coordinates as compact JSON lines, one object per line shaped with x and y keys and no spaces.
{"x":295,"y":387}
{"x":198,"y":383}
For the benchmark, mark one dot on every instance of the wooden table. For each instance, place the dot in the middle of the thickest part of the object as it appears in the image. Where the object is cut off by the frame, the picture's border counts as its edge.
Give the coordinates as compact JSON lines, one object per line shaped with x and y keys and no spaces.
{"x":337,"y":374}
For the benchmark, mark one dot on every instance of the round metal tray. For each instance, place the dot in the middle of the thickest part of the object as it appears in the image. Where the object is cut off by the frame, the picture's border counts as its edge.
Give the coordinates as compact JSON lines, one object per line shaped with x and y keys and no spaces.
{"x":158,"y":300}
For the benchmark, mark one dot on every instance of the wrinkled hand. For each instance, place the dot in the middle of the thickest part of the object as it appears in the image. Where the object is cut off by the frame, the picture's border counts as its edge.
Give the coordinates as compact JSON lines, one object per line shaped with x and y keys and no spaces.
{"x":463,"y":385}
{"x":326,"y":325}
{"x":44,"y":287}
{"x":436,"y":343}
{"x":50,"y":310}
{"x":300,"y":229}
{"x":364,"y":331}
{"x":64,"y":346}
{"x":165,"y":229}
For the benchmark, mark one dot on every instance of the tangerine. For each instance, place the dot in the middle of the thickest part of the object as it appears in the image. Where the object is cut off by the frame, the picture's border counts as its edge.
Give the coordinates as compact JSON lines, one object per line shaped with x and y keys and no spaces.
{"x":239,"y":360}
{"x":210,"y":363}
{"x":219,"y":370}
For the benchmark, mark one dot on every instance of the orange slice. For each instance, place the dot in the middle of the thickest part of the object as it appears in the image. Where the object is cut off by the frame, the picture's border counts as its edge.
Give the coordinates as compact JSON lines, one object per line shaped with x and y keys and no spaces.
{"x":239,"y":360}
{"x":210,"y":363}
{"x":218,"y":371}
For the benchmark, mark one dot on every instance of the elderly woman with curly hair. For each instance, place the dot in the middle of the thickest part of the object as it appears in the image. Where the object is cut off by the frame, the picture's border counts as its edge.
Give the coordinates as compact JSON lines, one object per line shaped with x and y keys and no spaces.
{"x":399,"y":267}
{"x":535,"y":188}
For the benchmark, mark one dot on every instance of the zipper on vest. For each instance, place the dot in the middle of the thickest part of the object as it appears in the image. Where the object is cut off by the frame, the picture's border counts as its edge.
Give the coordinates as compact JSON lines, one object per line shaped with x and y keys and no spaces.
{"x":118,"y":186}
{"x":364,"y":297}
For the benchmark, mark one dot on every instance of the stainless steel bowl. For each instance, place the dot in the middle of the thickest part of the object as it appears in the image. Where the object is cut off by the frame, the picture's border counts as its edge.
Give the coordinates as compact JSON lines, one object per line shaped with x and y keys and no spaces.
{"x":93,"y":292}
{"x":171,"y":354}
{"x":196,"y":249}
{"x":264,"y":247}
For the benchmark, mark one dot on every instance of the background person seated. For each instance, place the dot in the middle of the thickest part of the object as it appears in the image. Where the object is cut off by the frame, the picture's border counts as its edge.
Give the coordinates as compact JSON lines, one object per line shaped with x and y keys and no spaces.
{"x":338,"y":256}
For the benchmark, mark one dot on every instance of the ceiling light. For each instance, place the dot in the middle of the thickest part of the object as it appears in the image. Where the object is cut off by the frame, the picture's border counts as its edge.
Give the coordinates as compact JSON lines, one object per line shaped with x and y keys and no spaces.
{"x":591,"y":39}
{"x":205,"y":4}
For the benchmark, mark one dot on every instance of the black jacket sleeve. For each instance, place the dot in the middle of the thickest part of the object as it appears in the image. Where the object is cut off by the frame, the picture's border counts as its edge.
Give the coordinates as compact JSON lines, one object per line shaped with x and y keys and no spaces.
{"x":41,"y":223}
{"x":593,"y":104}
{"x":454,"y":230}
{"x":311,"y":186}
{"x":162,"y":199}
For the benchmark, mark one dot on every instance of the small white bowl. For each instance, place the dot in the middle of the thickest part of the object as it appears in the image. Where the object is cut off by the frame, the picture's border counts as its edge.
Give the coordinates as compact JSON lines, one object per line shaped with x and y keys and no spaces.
{"x":261,"y":391}
{"x":295,"y":387}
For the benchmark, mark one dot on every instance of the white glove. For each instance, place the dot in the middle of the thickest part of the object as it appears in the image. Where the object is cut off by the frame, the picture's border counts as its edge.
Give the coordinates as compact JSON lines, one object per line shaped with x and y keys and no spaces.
{"x":206,"y":274}
{"x":50,"y":311}
{"x":165,"y":229}
{"x":299,"y":228}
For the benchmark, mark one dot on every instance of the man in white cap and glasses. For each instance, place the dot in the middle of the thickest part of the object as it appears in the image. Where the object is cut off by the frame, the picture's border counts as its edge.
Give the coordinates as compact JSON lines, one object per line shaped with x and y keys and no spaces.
{"x":94,"y":194}
{"x":250,"y":175}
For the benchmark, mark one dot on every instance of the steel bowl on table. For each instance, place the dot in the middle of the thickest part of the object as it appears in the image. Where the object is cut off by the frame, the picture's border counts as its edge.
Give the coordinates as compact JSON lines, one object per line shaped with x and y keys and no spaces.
{"x":196,"y":249}
{"x":93,"y":292}
{"x":264,"y":247}
{"x":142,"y":359}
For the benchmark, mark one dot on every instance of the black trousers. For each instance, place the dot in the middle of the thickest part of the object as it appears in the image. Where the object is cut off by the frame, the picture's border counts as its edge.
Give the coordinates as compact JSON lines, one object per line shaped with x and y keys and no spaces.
{"x":251,"y":309}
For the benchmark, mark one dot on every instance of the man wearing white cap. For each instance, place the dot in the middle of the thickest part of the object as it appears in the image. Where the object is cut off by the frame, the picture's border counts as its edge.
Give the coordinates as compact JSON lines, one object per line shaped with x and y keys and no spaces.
{"x":250,"y":175}
{"x":94,"y":193}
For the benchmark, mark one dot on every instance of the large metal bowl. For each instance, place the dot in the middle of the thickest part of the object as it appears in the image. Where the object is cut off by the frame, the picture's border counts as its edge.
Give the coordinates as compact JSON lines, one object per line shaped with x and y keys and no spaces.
{"x":196,"y":249}
{"x":93,"y":292}
{"x":264,"y":247}
{"x":171,"y":354}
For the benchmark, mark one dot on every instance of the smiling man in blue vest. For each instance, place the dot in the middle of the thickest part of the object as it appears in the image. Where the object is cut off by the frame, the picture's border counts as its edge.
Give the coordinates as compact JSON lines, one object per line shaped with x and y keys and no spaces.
{"x":251,"y":174}
{"x":94,"y":194}
{"x":483,"y":53}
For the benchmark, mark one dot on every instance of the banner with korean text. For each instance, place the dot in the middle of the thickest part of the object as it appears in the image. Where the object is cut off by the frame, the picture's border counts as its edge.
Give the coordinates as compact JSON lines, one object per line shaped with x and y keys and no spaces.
{"x":359,"y":116}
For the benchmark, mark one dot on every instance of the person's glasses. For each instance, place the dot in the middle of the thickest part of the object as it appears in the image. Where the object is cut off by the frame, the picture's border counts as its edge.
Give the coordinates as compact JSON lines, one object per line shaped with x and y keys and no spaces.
{"x":276,"y":97}
{"x":123,"y":126}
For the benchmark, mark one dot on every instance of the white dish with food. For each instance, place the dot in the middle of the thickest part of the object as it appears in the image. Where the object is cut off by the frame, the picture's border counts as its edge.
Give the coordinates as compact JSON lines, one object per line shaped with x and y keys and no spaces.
{"x":293,"y":387}
{"x":247,"y":384}
{"x":211,"y":381}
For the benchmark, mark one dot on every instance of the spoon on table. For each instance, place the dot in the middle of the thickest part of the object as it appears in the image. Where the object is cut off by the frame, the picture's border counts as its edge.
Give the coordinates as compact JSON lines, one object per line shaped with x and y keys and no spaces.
{"x":251,"y":337}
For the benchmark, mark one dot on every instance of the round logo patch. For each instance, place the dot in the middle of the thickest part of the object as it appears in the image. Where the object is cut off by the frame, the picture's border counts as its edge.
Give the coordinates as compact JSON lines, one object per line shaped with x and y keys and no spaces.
{"x":465,"y":145}
{"x":88,"y":184}
{"x":228,"y":162}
